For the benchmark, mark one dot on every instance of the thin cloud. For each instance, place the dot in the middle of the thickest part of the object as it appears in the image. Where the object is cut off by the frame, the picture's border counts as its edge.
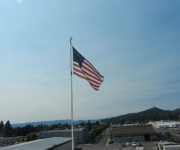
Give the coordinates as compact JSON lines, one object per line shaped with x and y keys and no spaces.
{"x":19,"y":1}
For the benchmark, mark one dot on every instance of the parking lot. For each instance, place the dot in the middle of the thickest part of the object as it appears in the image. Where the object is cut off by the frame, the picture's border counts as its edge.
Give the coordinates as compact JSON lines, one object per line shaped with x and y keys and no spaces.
{"x":102,"y":144}
{"x":117,"y":146}
{"x":147,"y":146}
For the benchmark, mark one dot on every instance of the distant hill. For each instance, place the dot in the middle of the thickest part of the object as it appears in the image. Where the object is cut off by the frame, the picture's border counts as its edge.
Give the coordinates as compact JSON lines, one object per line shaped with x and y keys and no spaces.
{"x":143,"y":116}
{"x":146,"y":115}
{"x":68,"y":121}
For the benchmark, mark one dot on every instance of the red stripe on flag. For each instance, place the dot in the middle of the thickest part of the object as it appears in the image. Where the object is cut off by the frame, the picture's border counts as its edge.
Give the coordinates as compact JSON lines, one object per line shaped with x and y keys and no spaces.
{"x":89,"y":73}
{"x":92,"y":67}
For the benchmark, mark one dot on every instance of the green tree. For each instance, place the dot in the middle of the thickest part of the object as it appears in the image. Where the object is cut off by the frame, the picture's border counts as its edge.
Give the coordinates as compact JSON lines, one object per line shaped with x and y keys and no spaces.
{"x":89,"y":125}
{"x":175,"y":116}
{"x":82,"y":124}
{"x":28,"y":138}
{"x":169,"y":137}
{"x":170,"y":116}
{"x":17,"y":131}
{"x":122,"y":121}
{"x":108,"y":123}
{"x":110,"y":135}
{"x":97,"y":122}
{"x":31,"y":137}
{"x":95,"y":132}
{"x":92,"y":135}
{"x":8,"y":131}
{"x":1,"y":128}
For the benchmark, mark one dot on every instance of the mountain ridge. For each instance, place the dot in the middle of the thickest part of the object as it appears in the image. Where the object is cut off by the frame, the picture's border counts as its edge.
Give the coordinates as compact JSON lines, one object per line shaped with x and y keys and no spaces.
{"x":153,"y":113}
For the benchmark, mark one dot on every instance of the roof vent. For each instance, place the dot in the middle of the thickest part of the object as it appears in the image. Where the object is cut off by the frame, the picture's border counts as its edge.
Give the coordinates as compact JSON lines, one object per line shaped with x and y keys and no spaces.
{"x":55,"y":144}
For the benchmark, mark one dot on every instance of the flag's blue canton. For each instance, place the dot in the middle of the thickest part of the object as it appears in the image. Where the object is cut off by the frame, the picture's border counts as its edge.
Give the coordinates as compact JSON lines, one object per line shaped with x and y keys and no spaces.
{"x":77,"y":57}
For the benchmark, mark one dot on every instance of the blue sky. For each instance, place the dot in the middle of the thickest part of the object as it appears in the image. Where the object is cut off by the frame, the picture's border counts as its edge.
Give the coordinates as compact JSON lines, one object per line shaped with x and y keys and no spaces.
{"x":133,"y":44}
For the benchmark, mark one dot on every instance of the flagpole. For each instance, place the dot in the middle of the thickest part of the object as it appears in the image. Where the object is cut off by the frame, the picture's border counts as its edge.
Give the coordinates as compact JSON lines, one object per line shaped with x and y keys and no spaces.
{"x":71,"y":95}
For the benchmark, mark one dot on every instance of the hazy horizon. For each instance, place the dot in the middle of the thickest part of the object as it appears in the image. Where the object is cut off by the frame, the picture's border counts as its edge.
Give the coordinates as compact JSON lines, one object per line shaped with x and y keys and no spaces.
{"x":81,"y":119}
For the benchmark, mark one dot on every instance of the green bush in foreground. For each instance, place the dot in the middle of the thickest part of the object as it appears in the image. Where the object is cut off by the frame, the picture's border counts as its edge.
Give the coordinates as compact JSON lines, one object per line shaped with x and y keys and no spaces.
{"x":169,"y":137}
{"x":110,"y":142}
{"x":30,"y":137}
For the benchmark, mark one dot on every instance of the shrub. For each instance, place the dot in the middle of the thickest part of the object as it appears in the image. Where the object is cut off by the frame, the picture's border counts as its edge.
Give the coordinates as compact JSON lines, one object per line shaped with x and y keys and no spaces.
{"x":33,"y":136}
{"x":169,"y":137}
{"x":30,"y":137}
{"x":110,"y":142}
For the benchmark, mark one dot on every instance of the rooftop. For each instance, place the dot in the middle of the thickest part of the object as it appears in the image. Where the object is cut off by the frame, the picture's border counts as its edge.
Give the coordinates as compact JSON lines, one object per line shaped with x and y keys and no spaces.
{"x":67,"y":130}
{"x":134,"y":130}
{"x":38,"y":144}
{"x":168,"y":143}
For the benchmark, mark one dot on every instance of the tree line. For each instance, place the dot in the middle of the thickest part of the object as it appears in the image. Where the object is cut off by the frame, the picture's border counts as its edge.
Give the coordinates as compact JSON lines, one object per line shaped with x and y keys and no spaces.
{"x":6,"y":130}
{"x":96,"y":132}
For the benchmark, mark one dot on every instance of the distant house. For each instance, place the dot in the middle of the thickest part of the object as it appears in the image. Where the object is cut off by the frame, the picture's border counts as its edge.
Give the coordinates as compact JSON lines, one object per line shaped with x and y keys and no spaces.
{"x":134,"y":133}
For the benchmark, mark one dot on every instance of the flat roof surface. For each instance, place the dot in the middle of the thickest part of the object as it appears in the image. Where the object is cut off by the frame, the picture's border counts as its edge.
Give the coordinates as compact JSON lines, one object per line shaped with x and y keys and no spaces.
{"x":168,"y":143}
{"x":38,"y":144}
{"x":134,"y":130}
{"x":68,"y":130}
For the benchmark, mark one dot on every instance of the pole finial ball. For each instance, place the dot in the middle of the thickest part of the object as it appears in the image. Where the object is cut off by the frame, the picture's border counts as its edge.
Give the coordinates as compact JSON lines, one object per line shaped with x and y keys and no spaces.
{"x":70,"y":38}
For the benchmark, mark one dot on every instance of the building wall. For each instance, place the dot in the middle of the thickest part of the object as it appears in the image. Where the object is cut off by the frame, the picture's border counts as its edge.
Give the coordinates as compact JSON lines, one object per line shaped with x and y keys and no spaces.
{"x":124,"y":138}
{"x":85,"y":135}
{"x":153,"y":137}
{"x":81,"y":136}
{"x":6,"y":141}
{"x":130,"y":138}
{"x":67,"y":146}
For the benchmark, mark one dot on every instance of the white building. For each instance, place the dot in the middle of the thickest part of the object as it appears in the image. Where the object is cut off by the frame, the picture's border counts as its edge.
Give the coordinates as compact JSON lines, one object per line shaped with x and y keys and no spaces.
{"x":165,"y":124}
{"x":168,"y":146}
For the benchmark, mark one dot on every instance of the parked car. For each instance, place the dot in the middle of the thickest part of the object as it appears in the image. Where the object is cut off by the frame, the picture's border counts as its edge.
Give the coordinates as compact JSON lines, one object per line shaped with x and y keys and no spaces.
{"x":133,"y":144}
{"x":138,"y":144}
{"x":139,"y":148}
{"x":128,"y":144}
{"x":123,"y":145}
{"x":156,"y":142}
{"x":178,"y":133}
{"x":161,"y":141}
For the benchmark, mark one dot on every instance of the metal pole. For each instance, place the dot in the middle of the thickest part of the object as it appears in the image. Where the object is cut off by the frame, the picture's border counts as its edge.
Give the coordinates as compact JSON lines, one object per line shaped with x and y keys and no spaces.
{"x":71,"y":95}
{"x":78,"y":135}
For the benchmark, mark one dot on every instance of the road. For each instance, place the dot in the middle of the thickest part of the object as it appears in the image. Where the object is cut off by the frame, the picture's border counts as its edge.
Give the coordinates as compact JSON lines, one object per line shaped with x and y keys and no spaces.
{"x":101,"y":144}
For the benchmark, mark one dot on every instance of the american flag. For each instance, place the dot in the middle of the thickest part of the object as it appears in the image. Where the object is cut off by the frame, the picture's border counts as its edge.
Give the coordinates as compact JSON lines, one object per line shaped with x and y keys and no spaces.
{"x":84,"y":69}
